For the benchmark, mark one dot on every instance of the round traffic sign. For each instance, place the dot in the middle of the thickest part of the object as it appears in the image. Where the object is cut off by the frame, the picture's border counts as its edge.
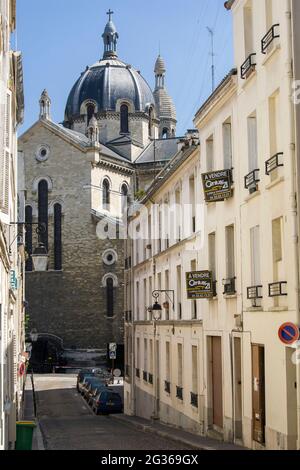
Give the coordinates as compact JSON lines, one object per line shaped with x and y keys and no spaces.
{"x":117,"y":373}
{"x":289,"y":333}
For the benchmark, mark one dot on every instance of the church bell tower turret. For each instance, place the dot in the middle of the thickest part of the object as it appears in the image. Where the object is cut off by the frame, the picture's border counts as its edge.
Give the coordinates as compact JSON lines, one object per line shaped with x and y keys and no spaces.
{"x":110,"y":38}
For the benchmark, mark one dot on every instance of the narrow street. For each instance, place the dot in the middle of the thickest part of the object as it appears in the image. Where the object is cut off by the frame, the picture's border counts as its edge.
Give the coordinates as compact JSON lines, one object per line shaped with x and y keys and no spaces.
{"x":67,"y":422}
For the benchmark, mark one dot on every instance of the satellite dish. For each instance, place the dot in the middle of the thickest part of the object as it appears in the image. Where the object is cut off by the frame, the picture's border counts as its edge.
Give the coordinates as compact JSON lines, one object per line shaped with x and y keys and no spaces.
{"x":117,"y":373}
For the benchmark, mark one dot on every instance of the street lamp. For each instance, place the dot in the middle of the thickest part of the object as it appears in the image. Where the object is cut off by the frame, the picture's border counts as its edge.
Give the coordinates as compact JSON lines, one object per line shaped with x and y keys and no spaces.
{"x":40,"y":254}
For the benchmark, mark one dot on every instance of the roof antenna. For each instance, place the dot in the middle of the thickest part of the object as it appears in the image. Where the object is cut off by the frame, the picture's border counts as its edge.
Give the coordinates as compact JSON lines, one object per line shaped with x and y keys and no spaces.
{"x":212,"y":53}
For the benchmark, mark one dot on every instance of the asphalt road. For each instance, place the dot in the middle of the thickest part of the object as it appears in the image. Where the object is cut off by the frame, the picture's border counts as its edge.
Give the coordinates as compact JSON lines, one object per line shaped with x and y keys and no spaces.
{"x":68,"y":423}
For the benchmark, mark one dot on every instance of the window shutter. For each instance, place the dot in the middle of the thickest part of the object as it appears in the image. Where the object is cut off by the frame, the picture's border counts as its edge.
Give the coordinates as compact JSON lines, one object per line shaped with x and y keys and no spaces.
{"x":7,"y":121}
{"x":252,"y":144}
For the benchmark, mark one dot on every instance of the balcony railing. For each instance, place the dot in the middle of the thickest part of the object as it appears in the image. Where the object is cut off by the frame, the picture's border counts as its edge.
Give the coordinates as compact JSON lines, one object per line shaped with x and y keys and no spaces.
{"x":145,"y":376}
{"x":137,"y":373}
{"x":252,"y":180}
{"x":179,"y":392}
{"x":274,"y":162}
{"x":269,"y":38}
{"x":194,"y":400}
{"x":229,"y":286}
{"x":248,"y":66}
{"x":277,"y":289}
{"x":167,"y":387}
{"x":254,"y":292}
{"x":150,"y":379}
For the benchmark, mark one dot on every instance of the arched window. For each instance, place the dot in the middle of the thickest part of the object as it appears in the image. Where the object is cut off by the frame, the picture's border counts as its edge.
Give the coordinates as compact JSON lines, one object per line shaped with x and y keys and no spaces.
{"x":43,"y":210}
{"x":57,"y":238}
{"x":124,"y":119}
{"x":150,"y":121}
{"x":165,"y":133}
{"x":124,"y":198}
{"x":110,"y":297}
{"x":28,"y":238}
{"x":90,"y":112}
{"x":106,"y":195}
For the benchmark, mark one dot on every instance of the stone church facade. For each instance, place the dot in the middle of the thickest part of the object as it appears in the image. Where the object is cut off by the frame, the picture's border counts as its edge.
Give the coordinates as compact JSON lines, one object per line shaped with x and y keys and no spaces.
{"x":80,"y":176}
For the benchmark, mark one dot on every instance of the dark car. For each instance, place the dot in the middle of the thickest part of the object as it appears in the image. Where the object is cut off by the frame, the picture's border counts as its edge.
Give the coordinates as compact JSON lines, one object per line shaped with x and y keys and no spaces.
{"x":107,"y":402}
{"x":81,"y":380}
{"x":94,"y":389}
{"x":90,"y":384}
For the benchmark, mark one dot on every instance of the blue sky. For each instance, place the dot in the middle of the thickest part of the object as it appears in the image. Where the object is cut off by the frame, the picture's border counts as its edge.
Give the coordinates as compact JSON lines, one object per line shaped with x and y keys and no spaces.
{"x":59,"y":38}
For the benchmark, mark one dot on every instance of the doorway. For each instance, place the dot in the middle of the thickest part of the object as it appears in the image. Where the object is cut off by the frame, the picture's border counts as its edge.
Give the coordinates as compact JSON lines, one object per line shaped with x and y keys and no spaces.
{"x":217,"y":381}
{"x":238,"y":416}
{"x":258,"y":393}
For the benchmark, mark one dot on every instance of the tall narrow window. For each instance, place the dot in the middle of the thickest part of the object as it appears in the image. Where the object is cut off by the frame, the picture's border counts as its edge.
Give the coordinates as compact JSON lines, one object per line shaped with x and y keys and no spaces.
{"x":192,"y":203}
{"x":194,"y":302}
{"x":106,"y":195}
{"x":210,"y":154}
{"x":227,"y":144}
{"x":110,"y":297}
{"x":195,"y":370}
{"x":255,"y":258}
{"x":248,"y":28}
{"x":212,"y":254}
{"x":275,"y":130}
{"x":90,"y":112}
{"x":180,"y":365}
{"x":230,"y":255}
{"x":168,"y":362}
{"x":57,"y":238}
{"x":150,"y":122}
{"x":124,"y":198}
{"x":179,"y":286}
{"x":43,"y":210}
{"x":124,"y":119}
{"x":145,"y":355}
{"x":277,"y":237}
{"x":269,"y":14}
{"x":252,"y":143}
{"x":28,"y":238}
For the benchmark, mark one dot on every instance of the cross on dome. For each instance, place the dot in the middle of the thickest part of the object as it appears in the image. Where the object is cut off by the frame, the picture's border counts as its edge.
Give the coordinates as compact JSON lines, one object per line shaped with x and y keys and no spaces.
{"x":110,"y":13}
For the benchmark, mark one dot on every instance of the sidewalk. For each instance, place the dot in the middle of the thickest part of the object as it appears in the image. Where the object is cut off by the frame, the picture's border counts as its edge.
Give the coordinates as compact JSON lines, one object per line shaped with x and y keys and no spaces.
{"x":178,"y":435}
{"x":29,"y":415}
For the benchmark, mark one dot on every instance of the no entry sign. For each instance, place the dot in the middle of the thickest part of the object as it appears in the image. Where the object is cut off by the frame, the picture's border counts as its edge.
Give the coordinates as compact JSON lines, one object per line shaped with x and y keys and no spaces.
{"x":289,"y":333}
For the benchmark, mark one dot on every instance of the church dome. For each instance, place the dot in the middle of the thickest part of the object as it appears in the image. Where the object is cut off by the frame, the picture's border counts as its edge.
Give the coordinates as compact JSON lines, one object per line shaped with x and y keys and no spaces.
{"x":106,"y":83}
{"x":109,"y":82}
{"x":160,"y":67}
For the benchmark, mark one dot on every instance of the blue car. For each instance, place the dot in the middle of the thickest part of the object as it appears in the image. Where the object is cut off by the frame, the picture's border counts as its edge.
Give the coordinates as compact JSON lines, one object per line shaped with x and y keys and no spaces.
{"x":107,"y":402}
{"x":90,"y":384}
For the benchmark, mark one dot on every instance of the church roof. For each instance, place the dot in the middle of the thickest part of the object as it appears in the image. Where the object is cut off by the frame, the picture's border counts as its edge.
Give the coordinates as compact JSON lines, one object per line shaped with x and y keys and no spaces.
{"x":164,"y":104}
{"x":159,"y":151}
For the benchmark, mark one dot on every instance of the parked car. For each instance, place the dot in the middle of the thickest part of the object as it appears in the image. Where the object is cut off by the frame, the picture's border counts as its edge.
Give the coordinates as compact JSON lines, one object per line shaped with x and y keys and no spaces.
{"x":89,"y":385}
{"x":107,"y":402}
{"x":82,"y":384}
{"x":82,"y":374}
{"x":93,"y":389}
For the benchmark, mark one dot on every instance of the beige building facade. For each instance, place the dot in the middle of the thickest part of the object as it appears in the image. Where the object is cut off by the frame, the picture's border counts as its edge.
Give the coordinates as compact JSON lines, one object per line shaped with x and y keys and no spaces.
{"x":247,"y":379}
{"x":12,"y":255}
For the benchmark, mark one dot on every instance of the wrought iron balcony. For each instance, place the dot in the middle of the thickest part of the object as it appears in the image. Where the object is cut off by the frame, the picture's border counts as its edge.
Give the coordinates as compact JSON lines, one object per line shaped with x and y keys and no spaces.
{"x":179,"y":392}
{"x":194,"y":400}
{"x":248,"y":66}
{"x":277,"y":289}
{"x":274,"y":162}
{"x":137,"y":373}
{"x":145,"y":376}
{"x":252,"y":180}
{"x":254,"y":292}
{"x":150,"y":379}
{"x":167,"y":387}
{"x":229,"y":286}
{"x":269,"y":38}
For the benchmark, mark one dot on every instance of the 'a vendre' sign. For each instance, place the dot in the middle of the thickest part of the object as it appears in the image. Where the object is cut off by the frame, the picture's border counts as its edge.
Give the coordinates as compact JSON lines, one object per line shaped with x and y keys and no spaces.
{"x":217,"y":185}
{"x":199,"y":285}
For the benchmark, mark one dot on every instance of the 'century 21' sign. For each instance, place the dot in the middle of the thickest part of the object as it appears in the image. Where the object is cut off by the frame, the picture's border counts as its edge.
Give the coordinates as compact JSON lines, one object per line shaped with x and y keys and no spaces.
{"x":199,"y":285}
{"x":217,"y":185}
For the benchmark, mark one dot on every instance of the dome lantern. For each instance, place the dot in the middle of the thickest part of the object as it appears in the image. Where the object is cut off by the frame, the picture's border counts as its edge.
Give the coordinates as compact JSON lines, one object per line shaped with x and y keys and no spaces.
{"x":110,"y":38}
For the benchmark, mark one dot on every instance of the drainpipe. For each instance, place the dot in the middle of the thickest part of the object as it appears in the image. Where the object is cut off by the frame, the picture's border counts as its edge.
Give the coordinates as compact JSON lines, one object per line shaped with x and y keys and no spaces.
{"x":293,"y":168}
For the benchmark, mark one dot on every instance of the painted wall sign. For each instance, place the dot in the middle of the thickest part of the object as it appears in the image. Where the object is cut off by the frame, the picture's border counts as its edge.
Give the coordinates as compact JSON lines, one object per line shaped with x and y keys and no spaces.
{"x":289,"y":333}
{"x":199,"y":285}
{"x":217,"y":185}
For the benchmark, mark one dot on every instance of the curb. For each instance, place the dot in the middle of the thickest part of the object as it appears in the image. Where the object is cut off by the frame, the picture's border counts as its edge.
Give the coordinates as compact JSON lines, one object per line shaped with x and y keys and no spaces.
{"x":150,"y":429}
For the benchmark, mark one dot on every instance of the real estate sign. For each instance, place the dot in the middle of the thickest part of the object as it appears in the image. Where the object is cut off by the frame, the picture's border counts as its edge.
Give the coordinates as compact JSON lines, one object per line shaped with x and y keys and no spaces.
{"x":217,"y":185}
{"x":199,"y":285}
